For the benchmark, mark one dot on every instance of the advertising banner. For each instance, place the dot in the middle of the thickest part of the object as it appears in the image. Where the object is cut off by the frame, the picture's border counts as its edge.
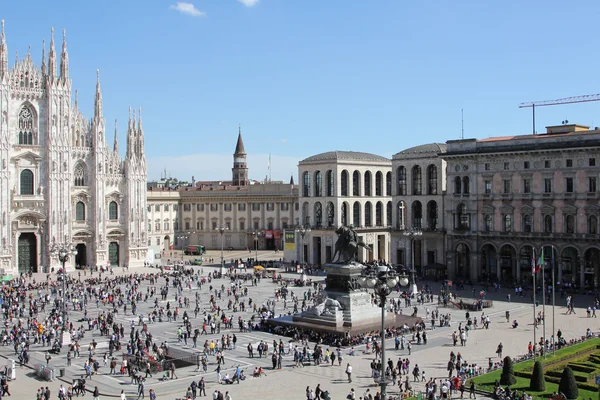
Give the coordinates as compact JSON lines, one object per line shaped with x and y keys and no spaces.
{"x":290,"y":240}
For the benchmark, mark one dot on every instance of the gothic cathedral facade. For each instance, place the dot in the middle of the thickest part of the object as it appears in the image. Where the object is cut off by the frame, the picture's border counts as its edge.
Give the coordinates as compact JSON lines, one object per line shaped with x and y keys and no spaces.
{"x":60,"y":183}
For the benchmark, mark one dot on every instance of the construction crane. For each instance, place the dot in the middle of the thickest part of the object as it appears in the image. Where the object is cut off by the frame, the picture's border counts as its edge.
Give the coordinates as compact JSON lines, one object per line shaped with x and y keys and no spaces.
{"x":566,"y":100}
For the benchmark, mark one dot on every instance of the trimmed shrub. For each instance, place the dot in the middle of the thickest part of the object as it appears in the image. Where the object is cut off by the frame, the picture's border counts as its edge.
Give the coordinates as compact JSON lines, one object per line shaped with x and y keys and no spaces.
{"x":537,"y":382}
{"x":568,"y":385}
{"x":508,"y":372}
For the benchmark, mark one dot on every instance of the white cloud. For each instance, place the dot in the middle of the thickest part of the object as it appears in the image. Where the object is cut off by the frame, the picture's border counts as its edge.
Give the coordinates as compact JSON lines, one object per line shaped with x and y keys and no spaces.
{"x":188,"y":8}
{"x":215,"y":167}
{"x":249,"y":3}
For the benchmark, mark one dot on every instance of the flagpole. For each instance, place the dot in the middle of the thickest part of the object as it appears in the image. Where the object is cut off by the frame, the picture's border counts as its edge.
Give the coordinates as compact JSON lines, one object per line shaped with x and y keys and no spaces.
{"x":534,"y":320}
{"x":544,"y":304}
{"x":553,"y":306}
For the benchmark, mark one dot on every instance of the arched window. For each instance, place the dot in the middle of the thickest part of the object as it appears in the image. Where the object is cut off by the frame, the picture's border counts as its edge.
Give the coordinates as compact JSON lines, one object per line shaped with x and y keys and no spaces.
{"x":548,"y":224}
{"x":26,"y":182}
{"x":306,"y":184}
{"x":318,"y":184}
{"x":569,"y":224}
{"x":356,"y":214}
{"x":457,"y":185}
{"x":113,"y":211}
{"x":466,"y":185}
{"x":368,"y":183}
{"x":330,"y":184}
{"x":79,"y":176}
{"x":417,"y":214}
{"x":401,"y":215}
{"x":368,"y":213}
{"x":401,"y":171}
{"x":487,"y":223}
{"x":388,"y":184}
{"x":379,"y":214}
{"x":527,"y":223}
{"x":388,"y":214}
{"x":318,"y":214}
{"x":593,"y":225}
{"x":344,"y":183}
{"x":507,"y":222}
{"x":80,"y":211}
{"x":432,"y":215}
{"x":26,"y":126}
{"x":344,"y":214}
{"x":378,"y":184}
{"x":356,"y":183}
{"x":432,"y":179}
{"x":416,"y":180}
{"x":330,"y":214}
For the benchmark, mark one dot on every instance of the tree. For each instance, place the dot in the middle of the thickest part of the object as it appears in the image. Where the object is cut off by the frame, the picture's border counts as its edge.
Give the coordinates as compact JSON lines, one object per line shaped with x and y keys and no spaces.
{"x":537,"y":382}
{"x":508,"y":373}
{"x":568,"y":384}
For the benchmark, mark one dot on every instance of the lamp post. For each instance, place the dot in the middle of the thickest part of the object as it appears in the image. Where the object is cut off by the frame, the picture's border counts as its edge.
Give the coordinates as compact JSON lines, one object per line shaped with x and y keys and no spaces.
{"x":256,"y":233}
{"x":383,"y":280}
{"x":411,"y":234}
{"x":183,"y":239}
{"x":302,"y":230}
{"x":63,"y":251}
{"x":222,"y":230}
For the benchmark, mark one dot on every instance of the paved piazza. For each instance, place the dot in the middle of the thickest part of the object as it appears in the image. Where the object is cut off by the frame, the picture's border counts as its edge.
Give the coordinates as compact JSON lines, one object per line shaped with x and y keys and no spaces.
{"x":290,"y":382}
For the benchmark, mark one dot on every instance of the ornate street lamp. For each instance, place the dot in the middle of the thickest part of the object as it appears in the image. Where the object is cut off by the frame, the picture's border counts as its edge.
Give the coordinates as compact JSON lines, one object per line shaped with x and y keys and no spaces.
{"x":383,"y":280}
{"x":411,"y":234}
{"x":63,"y":251}
{"x":222,"y":230}
{"x":302,"y":230}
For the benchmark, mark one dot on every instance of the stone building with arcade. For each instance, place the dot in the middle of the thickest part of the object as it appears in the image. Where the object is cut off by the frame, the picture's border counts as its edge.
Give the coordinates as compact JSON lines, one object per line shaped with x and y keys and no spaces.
{"x":510,"y":197}
{"x":60,"y":182}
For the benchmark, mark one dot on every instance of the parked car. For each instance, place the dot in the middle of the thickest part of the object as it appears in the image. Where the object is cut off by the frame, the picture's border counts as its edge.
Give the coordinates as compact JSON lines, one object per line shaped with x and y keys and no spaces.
{"x":230,"y":248}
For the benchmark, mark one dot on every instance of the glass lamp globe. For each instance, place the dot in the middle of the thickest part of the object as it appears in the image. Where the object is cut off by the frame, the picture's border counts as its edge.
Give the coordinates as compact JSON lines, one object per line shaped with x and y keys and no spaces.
{"x":403,"y":281}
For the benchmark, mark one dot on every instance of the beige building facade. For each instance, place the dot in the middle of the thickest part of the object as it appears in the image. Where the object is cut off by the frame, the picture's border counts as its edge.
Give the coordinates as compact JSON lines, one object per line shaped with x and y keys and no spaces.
{"x":419,"y":176}
{"x":339,"y":188}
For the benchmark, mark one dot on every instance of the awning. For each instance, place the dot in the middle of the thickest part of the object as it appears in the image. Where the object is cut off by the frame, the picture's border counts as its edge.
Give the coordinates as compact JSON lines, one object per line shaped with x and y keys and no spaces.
{"x":436,"y":267}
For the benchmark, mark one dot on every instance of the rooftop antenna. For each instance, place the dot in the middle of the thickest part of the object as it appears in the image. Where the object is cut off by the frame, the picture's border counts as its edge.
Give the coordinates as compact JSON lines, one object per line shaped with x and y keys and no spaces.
{"x":462,"y":124}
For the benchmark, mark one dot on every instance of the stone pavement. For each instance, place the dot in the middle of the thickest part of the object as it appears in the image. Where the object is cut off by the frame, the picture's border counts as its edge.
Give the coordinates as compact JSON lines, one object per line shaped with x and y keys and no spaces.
{"x":291,"y":382}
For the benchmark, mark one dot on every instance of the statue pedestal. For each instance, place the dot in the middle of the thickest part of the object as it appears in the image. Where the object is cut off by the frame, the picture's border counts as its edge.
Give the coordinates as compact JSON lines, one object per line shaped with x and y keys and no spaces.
{"x":356,"y":308}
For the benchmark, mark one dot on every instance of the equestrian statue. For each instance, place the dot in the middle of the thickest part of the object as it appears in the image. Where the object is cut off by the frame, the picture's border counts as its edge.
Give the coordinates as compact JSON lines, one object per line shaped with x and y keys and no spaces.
{"x":347,"y":245}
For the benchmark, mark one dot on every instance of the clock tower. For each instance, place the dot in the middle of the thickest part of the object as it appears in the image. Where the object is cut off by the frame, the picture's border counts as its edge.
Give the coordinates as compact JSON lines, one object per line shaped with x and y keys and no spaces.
{"x":240,"y":168}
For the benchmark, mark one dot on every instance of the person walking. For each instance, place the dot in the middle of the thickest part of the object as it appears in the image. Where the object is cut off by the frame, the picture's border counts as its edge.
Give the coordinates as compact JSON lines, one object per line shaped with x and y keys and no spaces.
{"x":472,"y":390}
{"x":96,"y":393}
{"x":202,"y":387}
{"x":141,"y":388}
{"x":152,"y":394}
{"x":349,"y":372}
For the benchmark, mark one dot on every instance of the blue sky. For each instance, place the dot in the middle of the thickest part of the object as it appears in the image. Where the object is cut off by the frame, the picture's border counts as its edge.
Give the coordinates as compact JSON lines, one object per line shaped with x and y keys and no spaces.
{"x":304,"y":77}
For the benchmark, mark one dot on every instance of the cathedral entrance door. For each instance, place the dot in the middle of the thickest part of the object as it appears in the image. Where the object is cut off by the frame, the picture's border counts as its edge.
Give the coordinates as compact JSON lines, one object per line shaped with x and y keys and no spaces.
{"x":113,"y":254}
{"x":27,"y":253}
{"x":81,"y":257}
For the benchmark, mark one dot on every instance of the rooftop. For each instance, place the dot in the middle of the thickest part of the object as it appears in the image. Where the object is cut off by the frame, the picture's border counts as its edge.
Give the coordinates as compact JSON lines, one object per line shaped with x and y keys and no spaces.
{"x":345,"y":155}
{"x":423,"y":149}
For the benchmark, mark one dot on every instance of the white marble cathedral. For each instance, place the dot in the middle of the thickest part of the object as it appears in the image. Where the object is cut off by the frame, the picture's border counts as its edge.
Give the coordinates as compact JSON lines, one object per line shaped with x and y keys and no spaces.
{"x":59,"y":181}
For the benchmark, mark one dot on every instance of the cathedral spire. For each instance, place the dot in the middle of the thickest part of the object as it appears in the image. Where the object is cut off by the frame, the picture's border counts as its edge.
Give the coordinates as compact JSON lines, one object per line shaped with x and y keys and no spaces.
{"x":64,"y":59}
{"x":51,"y":57}
{"x":130,"y":138}
{"x":140,"y":135}
{"x":3,"y":53}
{"x":116,"y":144}
{"x":98,"y":100}
{"x":44,"y":69}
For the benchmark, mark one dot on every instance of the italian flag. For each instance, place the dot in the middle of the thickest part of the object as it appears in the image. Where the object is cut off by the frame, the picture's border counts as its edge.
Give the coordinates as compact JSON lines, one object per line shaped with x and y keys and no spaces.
{"x":540,"y":262}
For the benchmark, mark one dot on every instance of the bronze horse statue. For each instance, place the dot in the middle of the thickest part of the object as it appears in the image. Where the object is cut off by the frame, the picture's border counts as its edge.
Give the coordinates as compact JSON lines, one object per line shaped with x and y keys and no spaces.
{"x":347,"y":245}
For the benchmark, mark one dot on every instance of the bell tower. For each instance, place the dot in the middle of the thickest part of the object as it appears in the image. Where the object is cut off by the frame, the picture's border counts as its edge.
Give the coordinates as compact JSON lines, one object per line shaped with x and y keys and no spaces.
{"x":240,"y":168}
